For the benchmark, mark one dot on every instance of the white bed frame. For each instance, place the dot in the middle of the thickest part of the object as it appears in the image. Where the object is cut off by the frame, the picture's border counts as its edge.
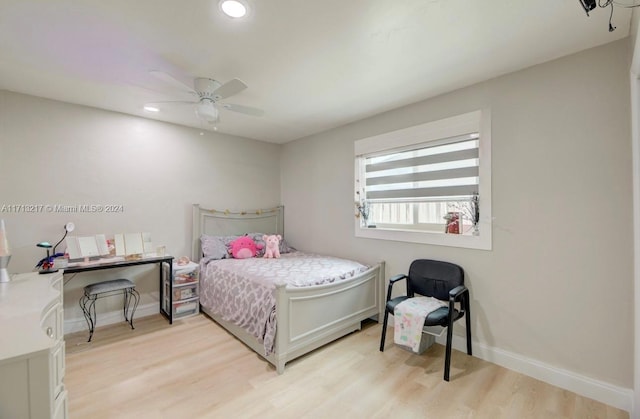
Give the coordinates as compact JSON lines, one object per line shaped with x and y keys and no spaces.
{"x":307,"y":317}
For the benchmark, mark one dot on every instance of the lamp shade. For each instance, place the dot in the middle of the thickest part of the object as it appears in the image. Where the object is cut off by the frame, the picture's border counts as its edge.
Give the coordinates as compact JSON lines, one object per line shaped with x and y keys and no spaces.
{"x":4,"y":243}
{"x":207,"y":111}
{"x":5,"y":254}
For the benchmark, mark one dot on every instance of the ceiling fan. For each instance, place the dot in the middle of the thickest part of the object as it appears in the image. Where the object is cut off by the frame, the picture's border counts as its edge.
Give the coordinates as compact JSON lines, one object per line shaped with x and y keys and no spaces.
{"x":207,"y":94}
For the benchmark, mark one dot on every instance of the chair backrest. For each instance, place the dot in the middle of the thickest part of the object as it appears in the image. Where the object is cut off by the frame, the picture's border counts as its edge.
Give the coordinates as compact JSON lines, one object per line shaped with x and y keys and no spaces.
{"x":433,"y":278}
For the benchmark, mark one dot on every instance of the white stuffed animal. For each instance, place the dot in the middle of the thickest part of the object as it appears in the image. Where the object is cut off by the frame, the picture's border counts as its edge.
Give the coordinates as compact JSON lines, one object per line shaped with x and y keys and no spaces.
{"x":272,"y":245}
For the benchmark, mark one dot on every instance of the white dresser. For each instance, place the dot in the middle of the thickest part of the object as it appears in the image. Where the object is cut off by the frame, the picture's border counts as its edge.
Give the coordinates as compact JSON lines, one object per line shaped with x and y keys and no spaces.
{"x":32,"y":347}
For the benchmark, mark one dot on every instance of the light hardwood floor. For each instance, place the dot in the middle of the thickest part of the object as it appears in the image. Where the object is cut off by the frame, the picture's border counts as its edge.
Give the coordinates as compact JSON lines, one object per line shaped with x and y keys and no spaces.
{"x":195,"y":369}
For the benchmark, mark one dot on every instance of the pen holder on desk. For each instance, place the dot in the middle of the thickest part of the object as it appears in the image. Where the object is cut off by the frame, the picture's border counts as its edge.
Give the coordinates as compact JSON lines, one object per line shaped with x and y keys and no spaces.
{"x":47,"y":266}
{"x":4,"y":262}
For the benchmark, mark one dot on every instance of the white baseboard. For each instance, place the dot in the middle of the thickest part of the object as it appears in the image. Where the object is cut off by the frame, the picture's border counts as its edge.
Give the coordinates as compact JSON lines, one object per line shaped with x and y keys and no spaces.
{"x":619,"y":397}
{"x":80,"y":324}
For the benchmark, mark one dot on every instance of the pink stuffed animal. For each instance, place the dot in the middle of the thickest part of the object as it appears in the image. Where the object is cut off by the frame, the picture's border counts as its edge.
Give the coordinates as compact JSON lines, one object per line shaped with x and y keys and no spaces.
{"x":272,"y":245}
{"x":244,"y":247}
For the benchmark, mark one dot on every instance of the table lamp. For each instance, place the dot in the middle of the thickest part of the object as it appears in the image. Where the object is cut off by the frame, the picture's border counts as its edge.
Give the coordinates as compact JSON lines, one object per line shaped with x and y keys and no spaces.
{"x":5,"y":254}
{"x":68,"y":228}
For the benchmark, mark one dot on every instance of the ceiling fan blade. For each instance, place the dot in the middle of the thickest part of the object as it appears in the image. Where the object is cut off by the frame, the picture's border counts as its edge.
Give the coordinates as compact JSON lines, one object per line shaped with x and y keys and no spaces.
{"x":247,"y":110}
{"x":172,"y":102}
{"x":230,"y":88}
{"x":169,"y":79}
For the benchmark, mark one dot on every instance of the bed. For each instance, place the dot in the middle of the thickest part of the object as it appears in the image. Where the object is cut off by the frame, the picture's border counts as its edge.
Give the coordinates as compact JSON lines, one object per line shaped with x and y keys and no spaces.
{"x":305,"y":317}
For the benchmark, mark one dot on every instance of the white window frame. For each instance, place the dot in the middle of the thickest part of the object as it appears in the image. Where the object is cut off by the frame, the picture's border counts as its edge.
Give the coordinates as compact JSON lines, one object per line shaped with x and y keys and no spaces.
{"x":476,"y":121}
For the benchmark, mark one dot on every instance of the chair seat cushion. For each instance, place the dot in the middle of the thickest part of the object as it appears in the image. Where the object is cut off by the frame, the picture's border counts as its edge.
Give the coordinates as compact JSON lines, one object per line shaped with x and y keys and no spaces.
{"x":107,"y":286}
{"x":439,"y":317}
{"x":391,"y":304}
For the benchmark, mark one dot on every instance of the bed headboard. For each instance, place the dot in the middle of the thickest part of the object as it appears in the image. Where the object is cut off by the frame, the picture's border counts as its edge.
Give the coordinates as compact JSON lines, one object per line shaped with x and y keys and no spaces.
{"x":228,"y":223}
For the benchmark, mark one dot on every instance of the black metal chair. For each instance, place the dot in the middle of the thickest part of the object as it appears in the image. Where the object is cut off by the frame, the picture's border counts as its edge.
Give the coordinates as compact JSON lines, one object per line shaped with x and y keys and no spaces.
{"x":441,"y":280}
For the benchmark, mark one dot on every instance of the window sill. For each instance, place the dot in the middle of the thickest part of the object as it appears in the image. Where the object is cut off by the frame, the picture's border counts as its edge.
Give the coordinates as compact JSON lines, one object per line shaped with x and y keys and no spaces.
{"x":481,"y":242}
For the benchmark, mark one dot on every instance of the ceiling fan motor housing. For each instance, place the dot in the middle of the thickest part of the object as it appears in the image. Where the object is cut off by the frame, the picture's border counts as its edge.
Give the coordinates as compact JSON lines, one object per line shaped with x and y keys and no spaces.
{"x":205,"y":87}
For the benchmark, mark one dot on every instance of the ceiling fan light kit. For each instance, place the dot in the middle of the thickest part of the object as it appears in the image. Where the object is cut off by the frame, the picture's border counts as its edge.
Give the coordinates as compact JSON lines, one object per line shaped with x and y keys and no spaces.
{"x":207,"y":111}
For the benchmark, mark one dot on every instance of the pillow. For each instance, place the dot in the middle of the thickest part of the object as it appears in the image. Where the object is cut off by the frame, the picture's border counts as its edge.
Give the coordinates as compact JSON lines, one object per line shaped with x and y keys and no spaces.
{"x":216,"y":247}
{"x":257,"y":237}
{"x":285,"y":248}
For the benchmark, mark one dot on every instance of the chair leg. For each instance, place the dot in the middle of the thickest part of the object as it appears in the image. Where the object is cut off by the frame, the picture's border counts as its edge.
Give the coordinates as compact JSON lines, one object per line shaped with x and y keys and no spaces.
{"x":447,"y":358}
{"x":136,"y":297}
{"x":93,"y":317}
{"x":125,"y":306}
{"x":468,"y":315}
{"x":87,"y":315}
{"x":384,"y":330}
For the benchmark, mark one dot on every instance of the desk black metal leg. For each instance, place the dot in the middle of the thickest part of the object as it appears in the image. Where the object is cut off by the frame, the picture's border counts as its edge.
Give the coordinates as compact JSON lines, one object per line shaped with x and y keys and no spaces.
{"x":166,"y":285}
{"x":170,"y":273}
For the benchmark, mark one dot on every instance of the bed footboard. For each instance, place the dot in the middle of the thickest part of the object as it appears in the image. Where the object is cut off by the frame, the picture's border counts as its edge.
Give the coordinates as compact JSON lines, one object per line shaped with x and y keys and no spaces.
{"x":310,"y":317}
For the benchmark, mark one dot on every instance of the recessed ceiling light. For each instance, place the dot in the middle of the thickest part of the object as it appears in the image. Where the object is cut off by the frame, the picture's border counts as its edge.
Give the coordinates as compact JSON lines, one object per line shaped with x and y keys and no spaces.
{"x":151,"y":109}
{"x":233,"y":8}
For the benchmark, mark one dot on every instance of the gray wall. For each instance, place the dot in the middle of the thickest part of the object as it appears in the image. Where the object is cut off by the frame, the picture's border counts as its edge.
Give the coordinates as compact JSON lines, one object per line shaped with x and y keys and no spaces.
{"x":557,"y":287}
{"x":58,"y":153}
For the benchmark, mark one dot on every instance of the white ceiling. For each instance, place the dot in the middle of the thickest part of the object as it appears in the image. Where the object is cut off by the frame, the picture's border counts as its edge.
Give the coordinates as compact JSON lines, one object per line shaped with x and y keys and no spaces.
{"x":310,"y":64}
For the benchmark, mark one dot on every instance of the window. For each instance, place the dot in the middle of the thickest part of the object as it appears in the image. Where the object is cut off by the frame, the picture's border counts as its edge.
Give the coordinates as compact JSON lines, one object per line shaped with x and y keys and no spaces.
{"x":429,"y":183}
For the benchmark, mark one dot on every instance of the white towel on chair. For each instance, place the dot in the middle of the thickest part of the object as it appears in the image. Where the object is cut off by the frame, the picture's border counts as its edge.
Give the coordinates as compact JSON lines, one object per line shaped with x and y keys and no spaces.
{"x":409,"y":318}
